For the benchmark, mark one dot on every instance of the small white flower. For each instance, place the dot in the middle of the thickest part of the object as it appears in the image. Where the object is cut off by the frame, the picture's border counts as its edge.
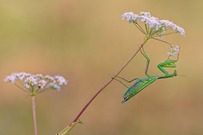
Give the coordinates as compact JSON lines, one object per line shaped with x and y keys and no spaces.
{"x":130,"y":17}
{"x":174,"y":51}
{"x":31,"y":80}
{"x":48,"y":77}
{"x":11,"y":78}
{"x":39,"y":75}
{"x":147,"y":14}
{"x":22,"y":75}
{"x":42,"y":84}
{"x":61,"y":80}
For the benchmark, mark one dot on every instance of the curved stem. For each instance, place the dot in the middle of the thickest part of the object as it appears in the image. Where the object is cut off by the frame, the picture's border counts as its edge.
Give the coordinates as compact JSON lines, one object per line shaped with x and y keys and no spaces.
{"x":105,"y":85}
{"x":34,"y":115}
{"x":101,"y":89}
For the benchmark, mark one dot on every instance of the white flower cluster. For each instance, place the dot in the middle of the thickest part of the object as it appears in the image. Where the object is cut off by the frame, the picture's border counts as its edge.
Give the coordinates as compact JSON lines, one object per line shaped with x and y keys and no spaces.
{"x":174,"y":51}
{"x":152,"y":22}
{"x":36,"y":83}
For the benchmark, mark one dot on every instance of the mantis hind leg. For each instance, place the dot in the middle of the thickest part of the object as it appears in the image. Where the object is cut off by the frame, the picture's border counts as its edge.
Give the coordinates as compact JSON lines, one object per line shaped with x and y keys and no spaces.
{"x":128,"y":81}
{"x":121,"y":83}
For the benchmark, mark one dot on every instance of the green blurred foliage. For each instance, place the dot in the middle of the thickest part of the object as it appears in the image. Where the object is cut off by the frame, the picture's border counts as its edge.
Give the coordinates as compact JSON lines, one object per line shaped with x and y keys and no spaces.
{"x":87,"y":42}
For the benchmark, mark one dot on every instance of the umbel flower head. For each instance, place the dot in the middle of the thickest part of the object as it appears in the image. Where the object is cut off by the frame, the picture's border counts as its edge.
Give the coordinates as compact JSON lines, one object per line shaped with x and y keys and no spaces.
{"x":34,"y":84}
{"x":153,"y":26}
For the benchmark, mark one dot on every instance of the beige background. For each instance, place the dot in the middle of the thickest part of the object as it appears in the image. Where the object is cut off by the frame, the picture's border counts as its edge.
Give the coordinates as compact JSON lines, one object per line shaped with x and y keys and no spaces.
{"x":87,"y":42}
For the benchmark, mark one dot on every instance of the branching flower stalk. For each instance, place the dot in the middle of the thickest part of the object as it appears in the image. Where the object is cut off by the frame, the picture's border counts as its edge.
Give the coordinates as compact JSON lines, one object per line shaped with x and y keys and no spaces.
{"x":35,"y":84}
{"x":153,"y":29}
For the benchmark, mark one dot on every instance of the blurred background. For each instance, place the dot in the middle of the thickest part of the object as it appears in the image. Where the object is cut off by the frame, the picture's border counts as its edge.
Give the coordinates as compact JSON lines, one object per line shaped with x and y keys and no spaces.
{"x":87,"y":42}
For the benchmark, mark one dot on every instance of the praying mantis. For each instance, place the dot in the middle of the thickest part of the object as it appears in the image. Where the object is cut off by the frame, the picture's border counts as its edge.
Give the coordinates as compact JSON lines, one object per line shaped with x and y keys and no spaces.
{"x":142,"y":83}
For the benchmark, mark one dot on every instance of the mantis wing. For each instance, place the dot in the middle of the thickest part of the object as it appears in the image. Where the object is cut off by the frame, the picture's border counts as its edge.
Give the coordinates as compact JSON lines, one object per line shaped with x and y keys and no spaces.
{"x":139,"y":85}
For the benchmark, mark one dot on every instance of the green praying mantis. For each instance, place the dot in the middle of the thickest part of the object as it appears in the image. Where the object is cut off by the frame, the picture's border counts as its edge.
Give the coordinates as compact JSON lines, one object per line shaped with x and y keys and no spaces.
{"x":142,"y":83}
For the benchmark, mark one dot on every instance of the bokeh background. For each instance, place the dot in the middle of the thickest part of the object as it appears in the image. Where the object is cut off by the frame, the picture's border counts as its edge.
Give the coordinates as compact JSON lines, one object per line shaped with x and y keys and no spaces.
{"x":87,"y":42}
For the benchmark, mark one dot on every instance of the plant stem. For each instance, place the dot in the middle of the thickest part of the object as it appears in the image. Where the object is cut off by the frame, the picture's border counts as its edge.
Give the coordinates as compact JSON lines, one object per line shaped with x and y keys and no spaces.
{"x":34,"y":115}
{"x":104,"y":86}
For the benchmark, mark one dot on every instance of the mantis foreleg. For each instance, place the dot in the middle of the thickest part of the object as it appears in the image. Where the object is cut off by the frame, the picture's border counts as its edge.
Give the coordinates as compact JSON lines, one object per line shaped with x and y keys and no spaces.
{"x":167,"y":64}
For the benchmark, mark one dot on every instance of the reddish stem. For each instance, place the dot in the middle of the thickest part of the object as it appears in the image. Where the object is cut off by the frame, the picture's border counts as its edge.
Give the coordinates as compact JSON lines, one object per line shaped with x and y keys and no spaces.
{"x":105,"y":85}
{"x":84,"y":108}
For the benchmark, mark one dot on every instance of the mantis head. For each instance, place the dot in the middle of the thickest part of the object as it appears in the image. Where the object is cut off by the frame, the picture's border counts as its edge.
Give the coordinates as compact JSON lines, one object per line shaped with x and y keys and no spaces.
{"x":126,"y":97}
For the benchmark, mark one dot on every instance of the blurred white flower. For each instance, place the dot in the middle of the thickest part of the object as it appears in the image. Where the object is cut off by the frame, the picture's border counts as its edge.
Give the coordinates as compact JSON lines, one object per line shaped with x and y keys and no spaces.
{"x":130,"y":17}
{"x":11,"y":79}
{"x":60,"y":80}
{"x":34,"y":84}
{"x":49,"y":78}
